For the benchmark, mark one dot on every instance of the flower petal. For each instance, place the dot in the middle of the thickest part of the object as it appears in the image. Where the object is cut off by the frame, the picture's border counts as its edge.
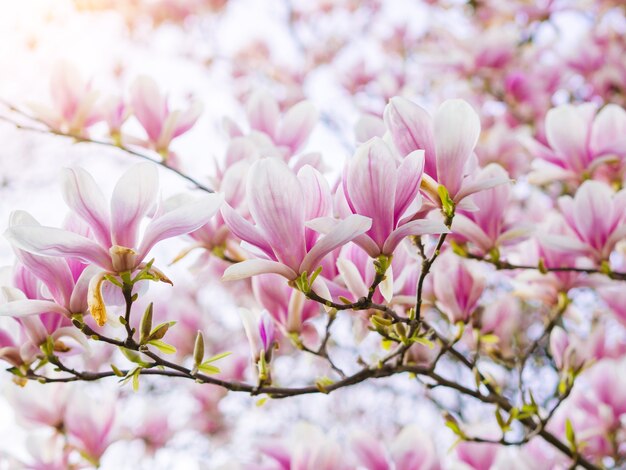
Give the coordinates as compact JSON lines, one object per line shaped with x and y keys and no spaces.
{"x":370,"y":186}
{"x":244,"y":230}
{"x":567,"y":131}
{"x":253,"y":267}
{"x":133,"y":197}
{"x":149,"y":106}
{"x":22,"y":308}
{"x":297,"y":125}
{"x":457,"y":127}
{"x":608,"y":132}
{"x":415,"y":227}
{"x":263,"y":113}
{"x":51,"y":241}
{"x":186,"y":217}
{"x":276,"y":202}
{"x":345,"y":231}
{"x":411,"y":129}
{"x":82,"y":194}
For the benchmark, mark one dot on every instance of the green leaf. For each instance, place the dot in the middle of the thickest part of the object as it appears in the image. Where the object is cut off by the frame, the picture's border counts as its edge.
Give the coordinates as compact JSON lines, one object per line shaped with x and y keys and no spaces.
{"x":136,"y":381}
{"x":570,"y":435}
{"x":162,"y":346}
{"x":217,"y":357}
{"x":132,"y":356}
{"x":208,"y":369}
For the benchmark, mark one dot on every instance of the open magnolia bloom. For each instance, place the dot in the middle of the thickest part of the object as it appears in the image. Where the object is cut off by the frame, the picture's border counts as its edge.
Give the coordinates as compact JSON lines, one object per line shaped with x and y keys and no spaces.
{"x":161,"y":124}
{"x":114,"y":245}
{"x":448,"y":140}
{"x":596,"y":217}
{"x":281,"y":204}
{"x":579,"y":140}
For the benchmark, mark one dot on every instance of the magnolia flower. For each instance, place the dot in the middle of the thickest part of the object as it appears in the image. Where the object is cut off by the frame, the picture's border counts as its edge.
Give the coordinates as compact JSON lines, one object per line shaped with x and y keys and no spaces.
{"x":457,"y":288}
{"x":309,"y":448}
{"x":73,"y":101}
{"x":91,"y":428}
{"x":289,"y":307}
{"x":411,"y":449}
{"x":596,"y":215}
{"x":66,"y":282}
{"x":161,"y":124}
{"x":377,"y":186}
{"x":579,"y":140}
{"x":486,"y":227}
{"x":281,"y":204}
{"x":566,"y":353}
{"x":448,"y":140}
{"x":116,"y":246}
{"x":261,"y":334}
{"x":288,"y":131}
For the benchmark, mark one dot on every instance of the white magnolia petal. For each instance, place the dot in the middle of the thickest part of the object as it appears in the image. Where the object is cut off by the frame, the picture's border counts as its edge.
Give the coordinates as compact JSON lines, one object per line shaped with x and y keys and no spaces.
{"x":56,"y":242}
{"x":415,"y":227}
{"x":187,"y":217}
{"x":253,"y":267}
{"x":457,"y":127}
{"x":133,"y":197}
{"x":345,"y":231}
{"x":82,"y":194}
{"x":22,"y":308}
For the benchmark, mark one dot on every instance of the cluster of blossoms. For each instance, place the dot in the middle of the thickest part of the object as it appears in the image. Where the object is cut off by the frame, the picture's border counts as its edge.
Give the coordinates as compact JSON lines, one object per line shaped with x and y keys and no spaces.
{"x":472,"y":243}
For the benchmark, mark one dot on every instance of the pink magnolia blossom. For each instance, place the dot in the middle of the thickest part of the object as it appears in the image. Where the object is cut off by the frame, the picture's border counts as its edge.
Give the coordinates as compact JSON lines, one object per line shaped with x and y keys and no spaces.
{"x":579,"y":141}
{"x":486,"y":227}
{"x":115,"y":246}
{"x":91,"y":428}
{"x":74,"y":102}
{"x":356,"y":272}
{"x":289,"y":307}
{"x":309,"y":448}
{"x":260,"y":331}
{"x":448,"y":140}
{"x":477,"y":456}
{"x":281,"y":204}
{"x":378,"y":186}
{"x":596,"y":216}
{"x":40,"y":405}
{"x":161,"y":124}
{"x":288,"y":132}
{"x":457,"y":288}
{"x":67,"y":282}
{"x":411,"y":449}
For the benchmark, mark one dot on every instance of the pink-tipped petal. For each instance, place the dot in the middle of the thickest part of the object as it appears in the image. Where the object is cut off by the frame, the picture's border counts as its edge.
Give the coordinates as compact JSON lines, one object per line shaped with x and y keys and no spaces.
{"x":409,"y":179}
{"x":133,"y":197}
{"x":253,"y":267}
{"x":22,"y":308}
{"x":415,"y":227}
{"x":244,"y":230}
{"x":297,"y":125}
{"x":263,"y":113}
{"x":457,"y":127}
{"x":608,"y":132}
{"x":345,"y":231}
{"x":276,"y":202}
{"x":411,"y":129}
{"x":149,"y":106}
{"x":567,"y":130}
{"x":184,"y":218}
{"x":370,"y":183}
{"x":51,"y":241}
{"x":82,"y":194}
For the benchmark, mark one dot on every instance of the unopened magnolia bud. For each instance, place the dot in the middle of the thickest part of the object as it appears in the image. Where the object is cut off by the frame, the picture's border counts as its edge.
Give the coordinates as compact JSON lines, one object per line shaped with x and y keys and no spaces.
{"x":198,"y":350}
{"x":146,"y":323}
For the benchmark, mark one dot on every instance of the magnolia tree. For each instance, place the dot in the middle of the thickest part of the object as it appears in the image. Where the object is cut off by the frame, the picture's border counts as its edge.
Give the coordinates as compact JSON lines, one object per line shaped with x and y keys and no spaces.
{"x":407,"y":246}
